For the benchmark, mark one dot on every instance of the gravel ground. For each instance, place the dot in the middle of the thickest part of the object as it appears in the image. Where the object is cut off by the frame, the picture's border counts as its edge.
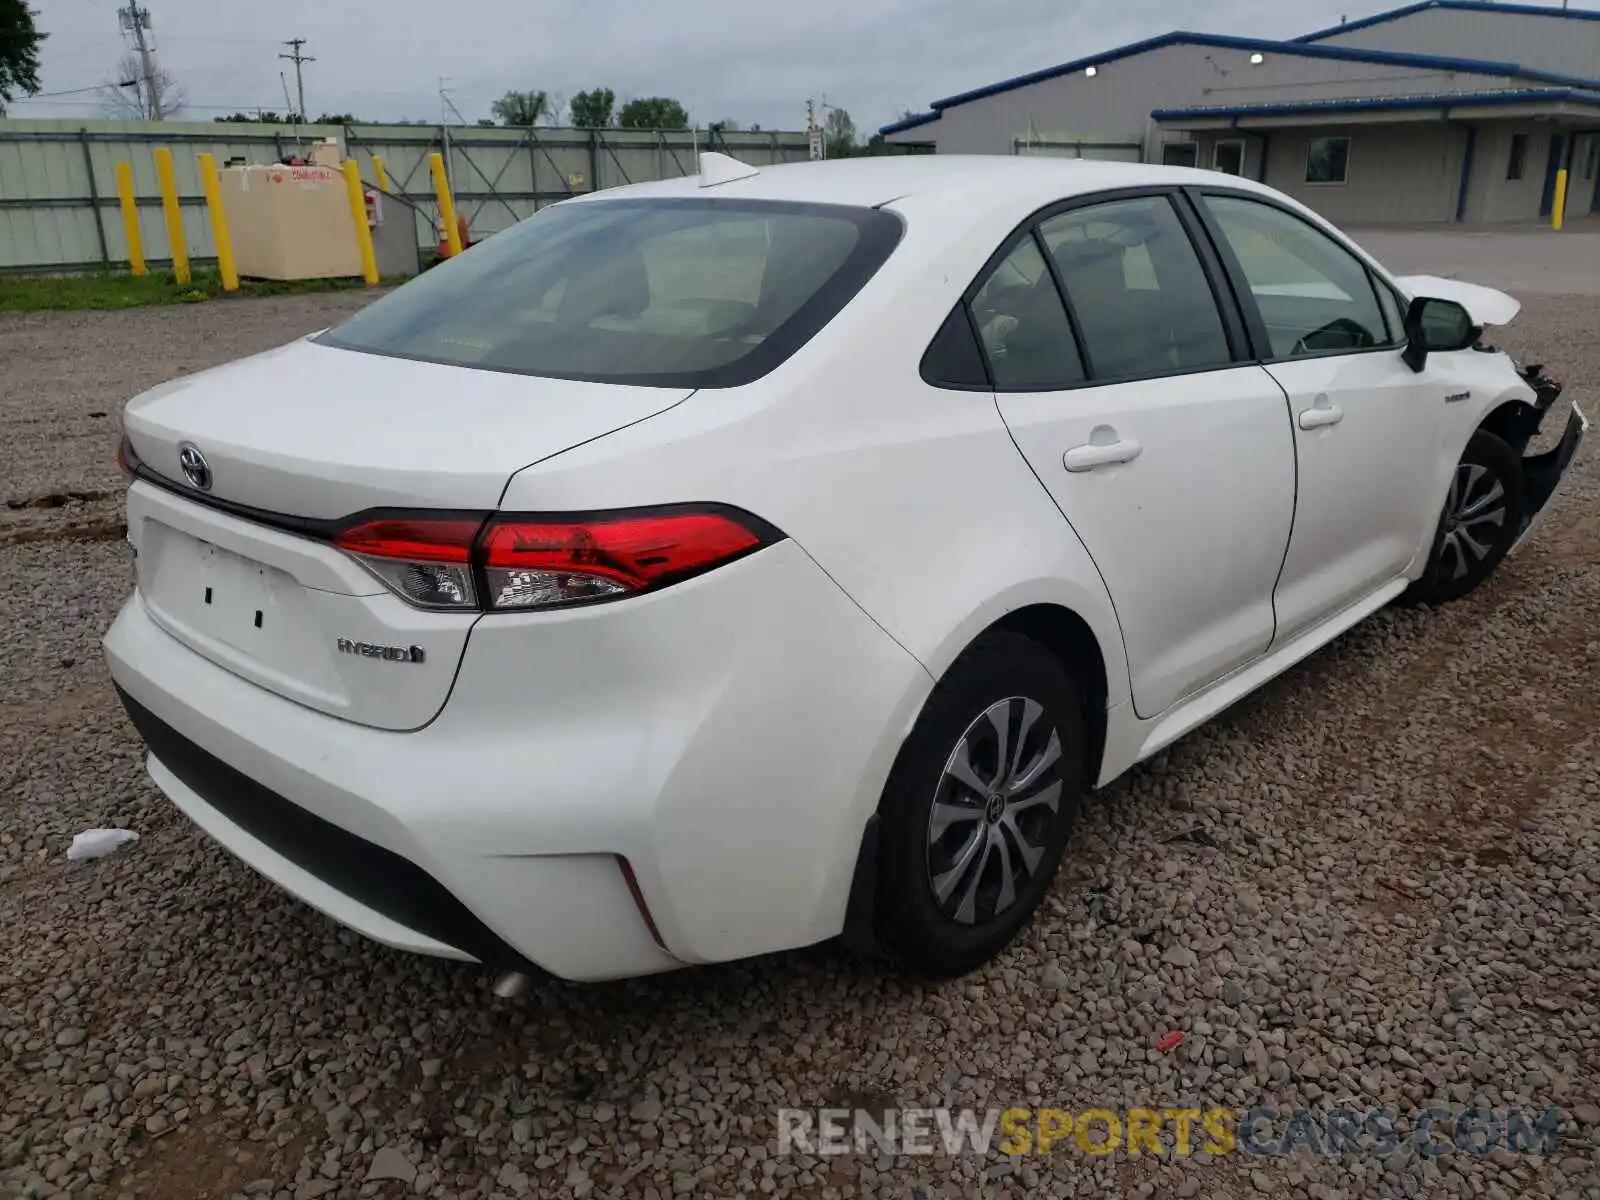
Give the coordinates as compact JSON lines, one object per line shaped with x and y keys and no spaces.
{"x":1378,"y":881}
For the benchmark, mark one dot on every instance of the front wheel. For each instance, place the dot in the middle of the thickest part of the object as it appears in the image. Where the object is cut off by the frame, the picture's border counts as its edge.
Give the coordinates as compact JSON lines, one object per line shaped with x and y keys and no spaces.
{"x":1481,"y":519}
{"x":979,"y":807}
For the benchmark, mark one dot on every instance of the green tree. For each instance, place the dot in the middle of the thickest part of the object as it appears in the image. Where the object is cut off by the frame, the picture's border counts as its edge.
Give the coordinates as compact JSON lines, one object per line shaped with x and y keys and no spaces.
{"x":653,"y":112}
{"x":521,"y":108}
{"x":266,"y":117}
{"x":594,"y":109}
{"x":338,"y":119}
{"x":839,"y":135}
{"x":19,"y":51}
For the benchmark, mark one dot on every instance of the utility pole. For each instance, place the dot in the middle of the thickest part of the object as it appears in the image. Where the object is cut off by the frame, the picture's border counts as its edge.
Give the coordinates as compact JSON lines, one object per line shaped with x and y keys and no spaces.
{"x":297,"y":58}
{"x":815,"y":141}
{"x":136,"y":20}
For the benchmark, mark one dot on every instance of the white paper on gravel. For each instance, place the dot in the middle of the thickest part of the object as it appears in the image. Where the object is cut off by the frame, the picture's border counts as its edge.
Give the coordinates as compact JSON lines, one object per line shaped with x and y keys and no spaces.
{"x":97,"y":843}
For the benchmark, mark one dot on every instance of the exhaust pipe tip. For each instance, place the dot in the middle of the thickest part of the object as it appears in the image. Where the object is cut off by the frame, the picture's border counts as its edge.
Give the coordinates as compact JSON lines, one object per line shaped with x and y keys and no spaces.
{"x":511,"y":984}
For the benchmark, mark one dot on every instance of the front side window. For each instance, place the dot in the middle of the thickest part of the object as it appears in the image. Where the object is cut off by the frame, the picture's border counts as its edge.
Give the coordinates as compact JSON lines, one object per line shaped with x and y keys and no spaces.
{"x":669,"y":292}
{"x":1023,"y":325}
{"x":1313,"y":295}
{"x":1328,"y":160}
{"x":1394,"y":312}
{"x":1138,"y":289}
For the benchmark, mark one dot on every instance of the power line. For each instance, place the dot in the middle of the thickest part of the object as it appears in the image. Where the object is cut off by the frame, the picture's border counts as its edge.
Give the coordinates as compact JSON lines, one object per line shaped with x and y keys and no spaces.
{"x":252,"y":106}
{"x":64,"y":92}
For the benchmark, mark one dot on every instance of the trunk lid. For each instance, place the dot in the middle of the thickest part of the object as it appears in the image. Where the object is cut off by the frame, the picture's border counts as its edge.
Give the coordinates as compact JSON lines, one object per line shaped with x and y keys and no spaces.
{"x":314,"y":432}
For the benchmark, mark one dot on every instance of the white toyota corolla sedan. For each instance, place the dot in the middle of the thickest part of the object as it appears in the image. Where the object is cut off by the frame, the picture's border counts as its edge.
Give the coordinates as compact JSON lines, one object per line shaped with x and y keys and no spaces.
{"x":716,"y":566}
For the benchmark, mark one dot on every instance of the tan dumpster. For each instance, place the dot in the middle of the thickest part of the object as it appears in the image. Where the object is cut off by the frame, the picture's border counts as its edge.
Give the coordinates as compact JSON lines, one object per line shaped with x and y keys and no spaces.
{"x":290,"y":222}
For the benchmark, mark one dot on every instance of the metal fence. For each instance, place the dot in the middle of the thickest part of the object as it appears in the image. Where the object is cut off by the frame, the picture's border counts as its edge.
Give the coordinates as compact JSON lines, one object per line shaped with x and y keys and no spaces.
{"x":58,"y":199}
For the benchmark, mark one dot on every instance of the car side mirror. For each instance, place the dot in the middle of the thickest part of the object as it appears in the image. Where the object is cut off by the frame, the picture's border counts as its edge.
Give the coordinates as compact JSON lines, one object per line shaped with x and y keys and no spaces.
{"x":1436,"y":325}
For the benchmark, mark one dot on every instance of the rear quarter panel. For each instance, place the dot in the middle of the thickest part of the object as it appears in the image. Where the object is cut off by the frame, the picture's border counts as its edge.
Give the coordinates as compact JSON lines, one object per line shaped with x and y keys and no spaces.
{"x":914,"y":499}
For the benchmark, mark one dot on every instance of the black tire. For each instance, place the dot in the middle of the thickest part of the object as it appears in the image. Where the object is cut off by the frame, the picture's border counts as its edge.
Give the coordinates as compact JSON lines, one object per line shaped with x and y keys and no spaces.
{"x":946,"y":939}
{"x":1486,"y":483}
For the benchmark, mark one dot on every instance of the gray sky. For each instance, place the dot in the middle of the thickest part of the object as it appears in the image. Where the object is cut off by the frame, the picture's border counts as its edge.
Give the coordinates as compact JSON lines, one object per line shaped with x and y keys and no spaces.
{"x":748,"y":60}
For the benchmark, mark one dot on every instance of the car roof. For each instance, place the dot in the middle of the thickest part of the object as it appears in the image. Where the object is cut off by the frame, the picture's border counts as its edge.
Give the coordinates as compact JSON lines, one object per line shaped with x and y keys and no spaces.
{"x":876,"y":181}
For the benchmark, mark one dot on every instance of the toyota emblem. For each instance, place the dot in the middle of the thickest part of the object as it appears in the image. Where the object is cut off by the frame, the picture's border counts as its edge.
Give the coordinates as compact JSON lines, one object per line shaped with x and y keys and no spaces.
{"x":195,"y":468}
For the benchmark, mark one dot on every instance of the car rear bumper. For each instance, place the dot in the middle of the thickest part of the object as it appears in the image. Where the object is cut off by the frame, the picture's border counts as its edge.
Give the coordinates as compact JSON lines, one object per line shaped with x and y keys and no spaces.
{"x":726,"y":738}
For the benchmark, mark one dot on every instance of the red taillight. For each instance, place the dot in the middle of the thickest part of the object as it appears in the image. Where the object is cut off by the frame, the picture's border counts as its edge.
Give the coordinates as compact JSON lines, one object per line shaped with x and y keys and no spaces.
{"x":427,"y":538}
{"x":538,"y":562}
{"x":530,"y":564}
{"x":424,"y":560}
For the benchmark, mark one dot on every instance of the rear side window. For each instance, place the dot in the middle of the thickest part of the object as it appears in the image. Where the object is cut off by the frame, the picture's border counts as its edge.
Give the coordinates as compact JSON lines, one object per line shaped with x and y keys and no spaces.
{"x":1137,"y":287}
{"x":953,"y":359}
{"x":1023,"y":325}
{"x":1314,"y":295}
{"x":667,"y":292}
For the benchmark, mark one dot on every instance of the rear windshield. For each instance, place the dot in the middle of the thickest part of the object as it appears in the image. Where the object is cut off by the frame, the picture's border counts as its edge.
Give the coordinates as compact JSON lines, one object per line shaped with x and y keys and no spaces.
{"x":668,"y":292}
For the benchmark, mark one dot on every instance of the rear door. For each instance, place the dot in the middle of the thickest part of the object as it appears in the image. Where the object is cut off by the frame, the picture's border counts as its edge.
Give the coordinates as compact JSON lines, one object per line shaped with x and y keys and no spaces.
{"x":1366,"y":426}
{"x":1168,"y":453}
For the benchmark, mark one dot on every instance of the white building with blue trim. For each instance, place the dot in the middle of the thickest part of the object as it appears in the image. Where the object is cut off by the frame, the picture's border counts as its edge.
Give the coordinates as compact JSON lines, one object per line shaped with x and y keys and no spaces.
{"x":1445,"y":110}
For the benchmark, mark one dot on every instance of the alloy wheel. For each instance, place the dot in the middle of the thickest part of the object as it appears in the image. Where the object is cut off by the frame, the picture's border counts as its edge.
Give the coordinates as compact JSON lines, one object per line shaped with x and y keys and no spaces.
{"x":993,"y":810}
{"x":1474,"y":519}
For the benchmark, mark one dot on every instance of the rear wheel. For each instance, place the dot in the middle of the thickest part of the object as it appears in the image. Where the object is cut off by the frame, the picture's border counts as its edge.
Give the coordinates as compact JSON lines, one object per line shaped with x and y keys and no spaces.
{"x":979,"y":807}
{"x":1482,"y":514}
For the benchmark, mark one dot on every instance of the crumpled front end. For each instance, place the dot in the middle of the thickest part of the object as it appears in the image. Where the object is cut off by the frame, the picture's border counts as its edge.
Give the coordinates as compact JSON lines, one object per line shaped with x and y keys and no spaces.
{"x":1543,"y":471}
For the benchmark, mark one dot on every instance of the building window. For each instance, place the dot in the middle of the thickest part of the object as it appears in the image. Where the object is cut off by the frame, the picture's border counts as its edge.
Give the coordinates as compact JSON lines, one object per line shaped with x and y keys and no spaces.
{"x":1592,"y":158}
{"x":1180,"y":154}
{"x":1519,"y":156}
{"x":1328,"y":160}
{"x":1228,"y":157}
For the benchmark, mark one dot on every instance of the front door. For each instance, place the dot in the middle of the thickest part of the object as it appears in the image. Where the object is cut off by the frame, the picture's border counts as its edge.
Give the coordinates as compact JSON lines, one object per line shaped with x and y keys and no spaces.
{"x":1366,"y":427}
{"x":1171,"y":459}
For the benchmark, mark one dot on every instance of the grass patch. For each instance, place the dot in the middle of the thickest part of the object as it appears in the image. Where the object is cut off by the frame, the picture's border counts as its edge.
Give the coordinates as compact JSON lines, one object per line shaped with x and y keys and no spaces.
{"x":68,"y":293}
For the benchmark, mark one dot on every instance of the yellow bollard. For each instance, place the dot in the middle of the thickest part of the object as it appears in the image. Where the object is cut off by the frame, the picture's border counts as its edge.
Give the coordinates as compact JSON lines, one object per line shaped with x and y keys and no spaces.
{"x":447,"y":206}
{"x":1559,"y":211}
{"x":130,"y":219}
{"x":174,"y":215}
{"x":358,"y":213}
{"x":379,"y":175}
{"x":219,"y":222}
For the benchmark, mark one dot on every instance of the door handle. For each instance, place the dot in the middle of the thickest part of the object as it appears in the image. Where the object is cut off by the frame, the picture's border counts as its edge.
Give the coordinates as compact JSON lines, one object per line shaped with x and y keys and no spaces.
{"x":1102,"y":449}
{"x":1321,"y":414}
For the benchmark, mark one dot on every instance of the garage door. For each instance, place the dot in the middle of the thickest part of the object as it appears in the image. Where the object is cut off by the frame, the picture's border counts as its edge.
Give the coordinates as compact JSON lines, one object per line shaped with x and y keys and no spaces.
{"x":1059,"y":147}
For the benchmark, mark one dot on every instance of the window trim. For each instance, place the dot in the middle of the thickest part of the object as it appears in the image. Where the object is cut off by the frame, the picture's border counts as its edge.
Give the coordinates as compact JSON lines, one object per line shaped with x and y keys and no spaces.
{"x":1349,"y":148}
{"x":1223,"y":291}
{"x":1189,"y":143}
{"x":1244,"y":151}
{"x":1259,"y":337}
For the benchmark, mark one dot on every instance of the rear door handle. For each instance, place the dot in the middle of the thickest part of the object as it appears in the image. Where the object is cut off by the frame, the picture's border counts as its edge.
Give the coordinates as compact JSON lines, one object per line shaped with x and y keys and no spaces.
{"x":1321,"y":414}
{"x":1101,"y":450}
